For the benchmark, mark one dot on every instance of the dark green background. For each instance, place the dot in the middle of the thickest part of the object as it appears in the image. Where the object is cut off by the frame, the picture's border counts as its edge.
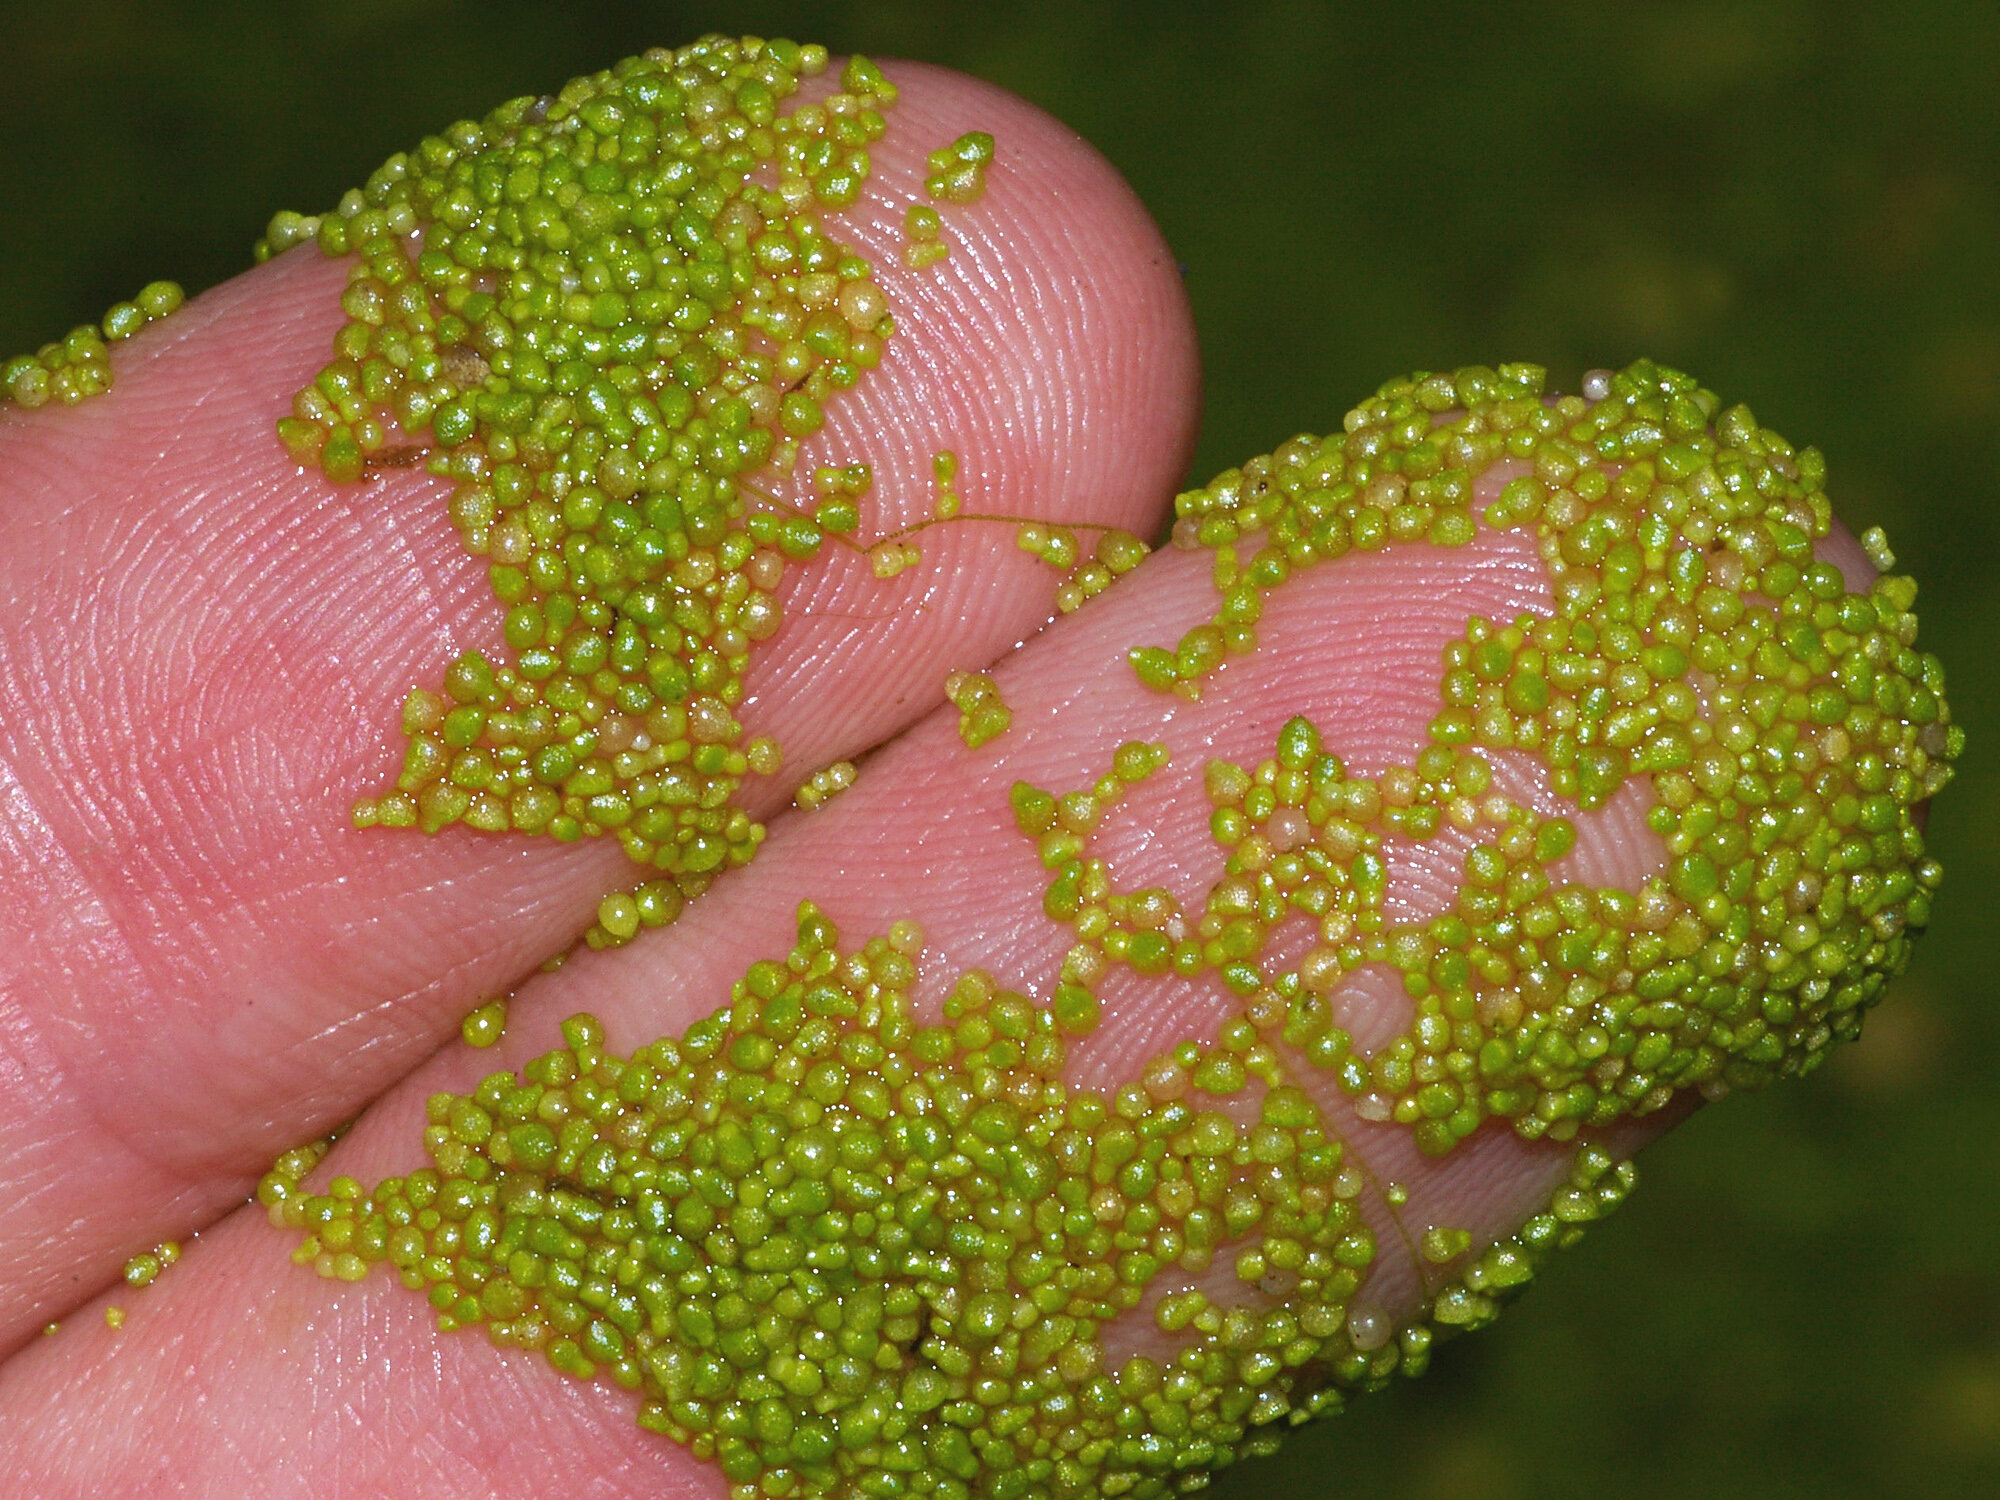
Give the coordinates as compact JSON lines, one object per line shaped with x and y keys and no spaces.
{"x":1798,"y":201}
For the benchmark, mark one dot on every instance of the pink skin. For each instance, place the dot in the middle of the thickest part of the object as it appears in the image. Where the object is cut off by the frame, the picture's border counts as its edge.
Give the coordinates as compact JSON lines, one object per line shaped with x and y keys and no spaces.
{"x":204,"y":964}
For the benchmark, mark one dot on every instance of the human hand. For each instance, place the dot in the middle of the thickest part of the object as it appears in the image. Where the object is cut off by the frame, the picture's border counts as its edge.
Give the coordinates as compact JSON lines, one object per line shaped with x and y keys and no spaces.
{"x":208,"y":1004}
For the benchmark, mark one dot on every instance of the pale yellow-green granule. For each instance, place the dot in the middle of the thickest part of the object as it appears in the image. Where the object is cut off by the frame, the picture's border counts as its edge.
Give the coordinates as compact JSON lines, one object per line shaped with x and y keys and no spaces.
{"x":144,"y":1268}
{"x":958,"y":171}
{"x":1441,"y":1243}
{"x":982,"y":715}
{"x":944,"y":474}
{"x":825,"y":784}
{"x":924,"y":243}
{"x":485,"y":1023}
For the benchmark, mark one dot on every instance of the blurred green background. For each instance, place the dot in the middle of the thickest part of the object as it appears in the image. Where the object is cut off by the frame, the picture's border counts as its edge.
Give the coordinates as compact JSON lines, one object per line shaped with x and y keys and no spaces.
{"x":1798,"y":200}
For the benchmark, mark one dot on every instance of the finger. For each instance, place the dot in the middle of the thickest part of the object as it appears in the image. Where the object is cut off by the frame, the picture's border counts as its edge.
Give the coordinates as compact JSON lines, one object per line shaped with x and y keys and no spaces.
{"x":925,"y":834}
{"x":203,"y":960}
{"x":928,"y":833}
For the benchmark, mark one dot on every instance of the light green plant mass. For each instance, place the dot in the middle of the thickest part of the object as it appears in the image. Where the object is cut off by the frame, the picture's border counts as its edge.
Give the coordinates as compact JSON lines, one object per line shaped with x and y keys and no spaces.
{"x":840,"y":1246}
{"x":1790,"y":729}
{"x":841,"y":1251}
{"x":625,"y":304}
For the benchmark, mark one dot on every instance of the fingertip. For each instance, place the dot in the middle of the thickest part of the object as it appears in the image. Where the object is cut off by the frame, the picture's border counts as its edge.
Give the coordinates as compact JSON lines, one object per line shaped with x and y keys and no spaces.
{"x":1052,"y":348}
{"x":1051,"y":353}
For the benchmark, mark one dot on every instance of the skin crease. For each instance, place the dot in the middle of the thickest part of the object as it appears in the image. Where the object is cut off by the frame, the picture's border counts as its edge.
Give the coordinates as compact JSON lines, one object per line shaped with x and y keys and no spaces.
{"x":217,"y":967}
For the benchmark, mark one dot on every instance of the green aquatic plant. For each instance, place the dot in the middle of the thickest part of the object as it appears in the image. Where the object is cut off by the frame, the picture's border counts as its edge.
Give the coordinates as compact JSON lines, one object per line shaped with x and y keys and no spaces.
{"x":837,"y":1244}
